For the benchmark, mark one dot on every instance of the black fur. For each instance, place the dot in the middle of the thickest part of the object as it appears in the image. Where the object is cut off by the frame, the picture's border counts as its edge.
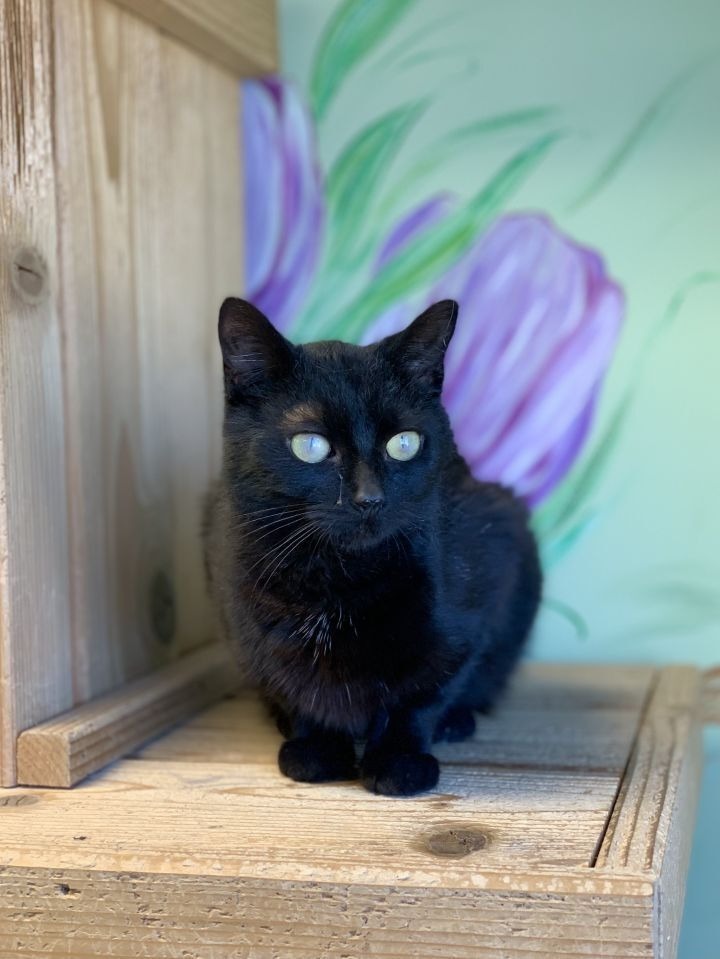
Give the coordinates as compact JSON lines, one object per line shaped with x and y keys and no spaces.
{"x":369,"y":599}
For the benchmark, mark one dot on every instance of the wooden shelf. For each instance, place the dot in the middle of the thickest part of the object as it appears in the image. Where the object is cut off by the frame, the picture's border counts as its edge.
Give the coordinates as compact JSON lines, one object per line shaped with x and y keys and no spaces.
{"x":562,"y":829}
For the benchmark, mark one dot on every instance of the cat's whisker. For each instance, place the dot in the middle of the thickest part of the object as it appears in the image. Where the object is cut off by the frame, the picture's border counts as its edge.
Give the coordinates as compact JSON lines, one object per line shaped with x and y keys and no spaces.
{"x":290,"y":544}
{"x":243,"y":525}
{"x":273,"y":526}
{"x":320,"y":541}
{"x":297,"y":542}
{"x":272,"y":552}
{"x":271,"y":509}
{"x":248,"y":519}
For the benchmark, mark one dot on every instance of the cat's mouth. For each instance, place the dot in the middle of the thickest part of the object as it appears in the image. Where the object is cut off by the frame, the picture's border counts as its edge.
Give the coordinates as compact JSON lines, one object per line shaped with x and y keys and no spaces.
{"x":363,"y":533}
{"x":351,"y":530}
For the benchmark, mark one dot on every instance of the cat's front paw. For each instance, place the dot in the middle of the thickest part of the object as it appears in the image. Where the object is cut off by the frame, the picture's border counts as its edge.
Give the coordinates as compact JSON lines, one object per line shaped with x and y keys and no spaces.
{"x":457,"y":724}
{"x":400,"y":774}
{"x":309,"y":760}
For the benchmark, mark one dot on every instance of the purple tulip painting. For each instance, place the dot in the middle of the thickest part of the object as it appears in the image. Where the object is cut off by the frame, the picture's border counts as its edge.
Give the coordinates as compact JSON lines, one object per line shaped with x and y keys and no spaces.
{"x":537,"y":330}
{"x":284,"y":201}
{"x":539,"y":315}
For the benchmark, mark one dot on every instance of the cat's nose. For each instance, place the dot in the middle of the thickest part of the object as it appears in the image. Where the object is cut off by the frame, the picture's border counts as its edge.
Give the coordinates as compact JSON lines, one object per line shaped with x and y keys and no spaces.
{"x":367,"y":499}
{"x":367,"y":494}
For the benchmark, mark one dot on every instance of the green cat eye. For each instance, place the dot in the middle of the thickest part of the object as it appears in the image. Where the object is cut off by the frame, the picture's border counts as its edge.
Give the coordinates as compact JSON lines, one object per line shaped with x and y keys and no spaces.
{"x":403,"y":446}
{"x":310,"y":447}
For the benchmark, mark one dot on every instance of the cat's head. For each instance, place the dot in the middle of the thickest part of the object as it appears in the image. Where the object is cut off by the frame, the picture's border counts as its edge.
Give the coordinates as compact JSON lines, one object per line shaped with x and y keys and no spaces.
{"x":352,"y":438}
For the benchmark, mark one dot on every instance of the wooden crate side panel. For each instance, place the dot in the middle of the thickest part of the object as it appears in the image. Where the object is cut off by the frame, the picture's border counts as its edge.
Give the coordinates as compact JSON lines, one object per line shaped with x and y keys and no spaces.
{"x":35,"y":649}
{"x":637,"y":832}
{"x":83,"y":914}
{"x":672,"y":865}
{"x":148,"y":172}
{"x":239,"y":34}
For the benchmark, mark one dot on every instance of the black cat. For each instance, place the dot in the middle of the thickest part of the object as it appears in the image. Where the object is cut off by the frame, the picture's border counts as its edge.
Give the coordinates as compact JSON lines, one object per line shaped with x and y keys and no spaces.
{"x":373,"y":589}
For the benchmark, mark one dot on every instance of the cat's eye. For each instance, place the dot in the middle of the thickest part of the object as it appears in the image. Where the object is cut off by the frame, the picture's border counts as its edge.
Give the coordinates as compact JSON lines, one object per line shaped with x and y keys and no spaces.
{"x":310,"y":447}
{"x":403,"y":446}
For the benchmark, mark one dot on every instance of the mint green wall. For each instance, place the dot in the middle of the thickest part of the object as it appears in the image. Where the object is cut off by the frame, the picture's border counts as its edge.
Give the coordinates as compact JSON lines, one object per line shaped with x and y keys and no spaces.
{"x":635,"y":91}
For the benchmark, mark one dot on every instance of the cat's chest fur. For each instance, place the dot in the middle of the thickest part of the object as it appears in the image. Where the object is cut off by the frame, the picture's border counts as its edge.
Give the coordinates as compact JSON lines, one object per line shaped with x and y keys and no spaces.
{"x":352,"y":648}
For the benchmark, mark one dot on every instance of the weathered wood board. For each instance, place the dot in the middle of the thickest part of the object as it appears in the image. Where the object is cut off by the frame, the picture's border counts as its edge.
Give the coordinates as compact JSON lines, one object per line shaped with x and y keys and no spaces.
{"x":148,"y":179}
{"x":35,"y":613}
{"x":562,"y":829}
{"x":64,"y":750}
{"x":120,"y":234}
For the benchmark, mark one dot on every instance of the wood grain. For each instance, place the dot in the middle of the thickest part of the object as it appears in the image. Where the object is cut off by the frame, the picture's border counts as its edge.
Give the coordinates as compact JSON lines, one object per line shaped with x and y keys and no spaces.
{"x":203,"y":849}
{"x":604,"y":720}
{"x":84,"y":913}
{"x":149,"y":174}
{"x":225,"y":809}
{"x":240,"y":34}
{"x":673,"y":853}
{"x":637,"y":832}
{"x":35,"y":625}
{"x":651,"y":824}
{"x":64,"y":750}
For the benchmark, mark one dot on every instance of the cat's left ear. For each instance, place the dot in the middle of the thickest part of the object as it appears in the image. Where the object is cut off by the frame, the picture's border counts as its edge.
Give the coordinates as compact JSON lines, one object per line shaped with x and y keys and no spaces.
{"x":419,"y":349}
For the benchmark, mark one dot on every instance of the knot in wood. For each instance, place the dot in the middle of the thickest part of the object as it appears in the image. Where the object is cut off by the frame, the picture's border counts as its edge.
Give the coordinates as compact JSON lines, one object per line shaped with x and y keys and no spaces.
{"x":454,"y":842}
{"x":29,"y":275}
{"x":162,"y":607}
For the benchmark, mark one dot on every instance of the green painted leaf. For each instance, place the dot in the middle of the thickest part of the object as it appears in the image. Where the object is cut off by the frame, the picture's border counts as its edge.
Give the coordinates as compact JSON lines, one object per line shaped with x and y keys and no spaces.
{"x":570,"y":614}
{"x":559,"y":511}
{"x":425,"y":258}
{"x":654,"y":114}
{"x":352,"y":32}
{"x":429,"y":30}
{"x":554,"y":546}
{"x":359,"y":171}
{"x":462,"y":139}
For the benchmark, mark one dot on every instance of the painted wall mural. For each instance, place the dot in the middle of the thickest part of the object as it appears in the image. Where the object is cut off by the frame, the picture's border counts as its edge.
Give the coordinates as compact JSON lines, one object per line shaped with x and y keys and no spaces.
{"x":358,"y":215}
{"x":554,"y":168}
{"x":540,"y":317}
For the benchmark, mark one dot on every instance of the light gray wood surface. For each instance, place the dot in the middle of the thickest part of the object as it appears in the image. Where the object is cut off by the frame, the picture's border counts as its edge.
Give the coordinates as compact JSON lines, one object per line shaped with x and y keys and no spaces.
{"x":561,"y":830}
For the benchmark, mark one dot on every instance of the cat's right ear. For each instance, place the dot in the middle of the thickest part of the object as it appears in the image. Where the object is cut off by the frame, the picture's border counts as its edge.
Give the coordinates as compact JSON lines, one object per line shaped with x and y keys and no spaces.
{"x":254,"y":354}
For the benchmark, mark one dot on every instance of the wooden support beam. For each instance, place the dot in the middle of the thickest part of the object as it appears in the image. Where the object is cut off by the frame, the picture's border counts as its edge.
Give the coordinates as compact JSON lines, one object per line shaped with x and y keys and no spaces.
{"x":239,"y":34}
{"x":66,"y":749}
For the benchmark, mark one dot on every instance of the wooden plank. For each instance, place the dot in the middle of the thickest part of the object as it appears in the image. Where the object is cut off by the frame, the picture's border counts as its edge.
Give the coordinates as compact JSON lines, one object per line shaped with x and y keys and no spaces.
{"x":239,"y":34}
{"x":598,"y":738}
{"x":84,"y":913}
{"x":186,"y":852}
{"x":637,"y":832}
{"x":711,"y":696}
{"x":149,"y":178}
{"x":245,"y":820}
{"x":35,"y":676}
{"x":242,"y":817}
{"x":673,"y":858}
{"x":62,"y":751}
